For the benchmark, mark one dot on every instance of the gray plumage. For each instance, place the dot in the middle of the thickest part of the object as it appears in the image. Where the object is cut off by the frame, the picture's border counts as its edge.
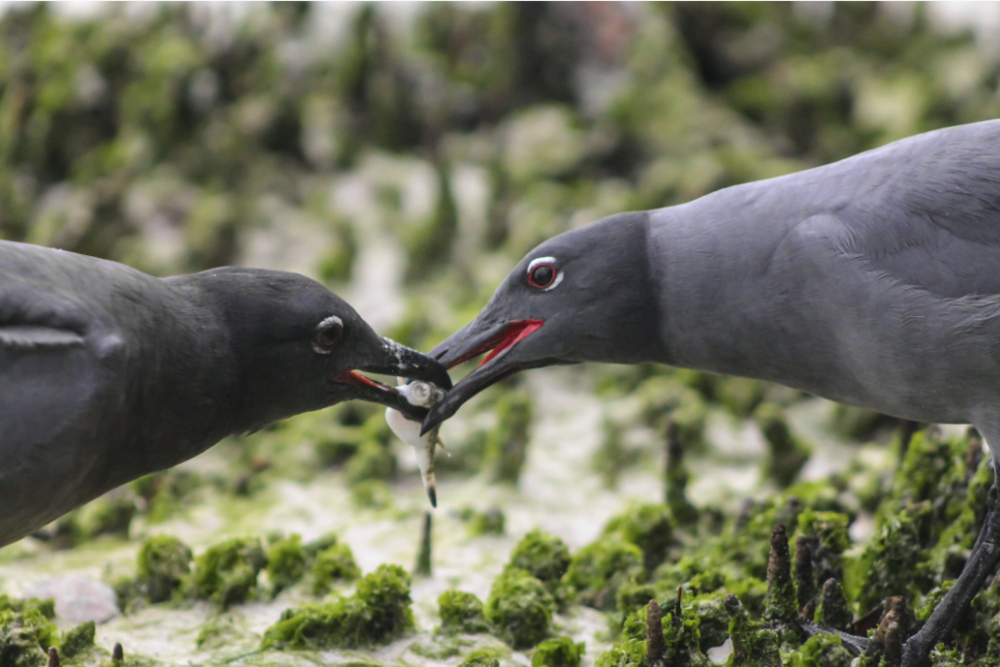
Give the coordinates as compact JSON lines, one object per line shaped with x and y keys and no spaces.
{"x":107,"y":373}
{"x":874,"y":281}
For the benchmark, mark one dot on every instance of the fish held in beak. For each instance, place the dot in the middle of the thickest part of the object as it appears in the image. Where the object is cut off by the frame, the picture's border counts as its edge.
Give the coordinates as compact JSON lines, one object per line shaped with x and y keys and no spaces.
{"x":425,"y":395}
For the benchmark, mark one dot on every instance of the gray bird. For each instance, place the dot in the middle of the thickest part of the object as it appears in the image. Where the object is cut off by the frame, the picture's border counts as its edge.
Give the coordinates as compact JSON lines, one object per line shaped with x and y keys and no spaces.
{"x":108,"y":374}
{"x":874,"y":281}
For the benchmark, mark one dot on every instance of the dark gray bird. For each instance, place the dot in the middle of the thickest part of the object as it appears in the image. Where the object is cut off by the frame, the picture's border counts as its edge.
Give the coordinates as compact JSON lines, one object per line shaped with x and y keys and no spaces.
{"x":874,"y":281}
{"x":108,"y":374}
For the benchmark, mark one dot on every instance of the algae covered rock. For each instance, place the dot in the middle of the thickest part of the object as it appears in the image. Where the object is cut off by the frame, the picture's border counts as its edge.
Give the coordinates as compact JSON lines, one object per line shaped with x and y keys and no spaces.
{"x":753,"y":645}
{"x":649,"y":527}
{"x":333,"y":563}
{"x":822,"y":650}
{"x":286,"y":562}
{"x":378,"y":612}
{"x":481,"y":658}
{"x":786,"y":452}
{"x":543,"y":556}
{"x":599,"y":569}
{"x":25,"y":637}
{"x":461,"y":613}
{"x":558,"y":652}
{"x":163,"y":562}
{"x":78,"y":640}
{"x":519,"y":608}
{"x":227,"y":573}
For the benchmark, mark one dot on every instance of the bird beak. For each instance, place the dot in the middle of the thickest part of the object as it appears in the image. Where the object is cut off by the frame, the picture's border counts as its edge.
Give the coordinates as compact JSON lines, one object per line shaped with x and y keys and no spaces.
{"x":469,"y":342}
{"x":391,"y":358}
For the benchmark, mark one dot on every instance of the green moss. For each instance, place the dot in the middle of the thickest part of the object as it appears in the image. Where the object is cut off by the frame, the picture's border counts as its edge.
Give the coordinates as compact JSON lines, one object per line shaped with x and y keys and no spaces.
{"x":507,"y":444}
{"x":286,"y":563}
{"x":378,"y":612}
{"x":558,"y":652}
{"x":481,"y":658}
{"x":519,"y":608}
{"x":895,"y":563}
{"x":112,"y":515}
{"x":335,"y":563}
{"x":227,"y":573}
{"x":786,"y":453}
{"x":25,"y":637}
{"x":612,"y":456}
{"x":598,"y":570}
{"x":78,"y":640}
{"x":217,"y":633}
{"x":488,"y":522}
{"x":753,"y":645}
{"x":741,"y":396}
{"x":372,"y":494}
{"x":373,"y":461}
{"x":543,"y":556}
{"x":163,"y":562}
{"x":461,"y":613}
{"x":649,"y":527}
{"x":822,"y":650}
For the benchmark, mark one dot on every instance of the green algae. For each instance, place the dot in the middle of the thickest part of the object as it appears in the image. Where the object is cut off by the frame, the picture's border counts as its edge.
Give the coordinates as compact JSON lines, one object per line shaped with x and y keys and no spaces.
{"x":227,"y":573}
{"x":543,"y":556}
{"x":822,"y":650}
{"x":598,"y":570}
{"x":832,"y":610}
{"x":334,"y":563}
{"x":25,"y":638}
{"x":163,"y":562}
{"x":488,"y":522}
{"x":461,"y":613}
{"x":558,"y":652}
{"x":519,"y":609}
{"x":378,"y":612}
{"x":786,"y":452}
{"x":649,"y":527}
{"x":482,"y":658}
{"x":753,"y":644}
{"x":77,"y":640}
{"x":507,"y":444}
{"x":287,"y":563}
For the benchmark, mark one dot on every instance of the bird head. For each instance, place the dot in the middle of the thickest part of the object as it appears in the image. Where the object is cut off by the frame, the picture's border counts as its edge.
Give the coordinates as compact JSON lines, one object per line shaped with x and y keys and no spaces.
{"x":299,"y":347}
{"x":584,"y":295}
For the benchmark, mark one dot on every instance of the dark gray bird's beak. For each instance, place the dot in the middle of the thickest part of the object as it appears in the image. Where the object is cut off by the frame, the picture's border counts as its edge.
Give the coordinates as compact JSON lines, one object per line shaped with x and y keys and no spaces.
{"x":391,"y":358}
{"x":471,"y":341}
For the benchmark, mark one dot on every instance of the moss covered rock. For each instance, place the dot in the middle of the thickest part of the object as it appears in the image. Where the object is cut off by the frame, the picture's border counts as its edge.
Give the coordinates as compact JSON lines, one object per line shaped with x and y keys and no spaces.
{"x":519,"y":608}
{"x":286,"y":563}
{"x":461,"y":613}
{"x":558,"y":652}
{"x":227,"y":573}
{"x":378,"y":612}
{"x":163,"y":562}
{"x":598,"y":570}
{"x":334,"y":563}
{"x":543,"y":556}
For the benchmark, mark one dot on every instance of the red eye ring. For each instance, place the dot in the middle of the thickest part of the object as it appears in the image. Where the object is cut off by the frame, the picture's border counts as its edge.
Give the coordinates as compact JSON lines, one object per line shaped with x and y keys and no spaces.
{"x":542,"y":276}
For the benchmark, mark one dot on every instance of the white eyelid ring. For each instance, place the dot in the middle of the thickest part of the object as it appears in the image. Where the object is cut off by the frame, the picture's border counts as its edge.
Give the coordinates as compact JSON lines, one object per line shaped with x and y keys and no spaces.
{"x":333,"y":319}
{"x":547,"y":260}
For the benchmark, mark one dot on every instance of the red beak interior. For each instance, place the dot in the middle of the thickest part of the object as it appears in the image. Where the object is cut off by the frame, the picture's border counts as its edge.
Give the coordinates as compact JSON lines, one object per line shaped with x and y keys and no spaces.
{"x":510,"y":336}
{"x":358,"y":380}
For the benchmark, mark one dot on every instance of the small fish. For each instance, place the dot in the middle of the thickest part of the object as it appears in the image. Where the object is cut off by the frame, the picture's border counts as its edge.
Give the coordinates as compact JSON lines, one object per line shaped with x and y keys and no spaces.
{"x":424,"y":394}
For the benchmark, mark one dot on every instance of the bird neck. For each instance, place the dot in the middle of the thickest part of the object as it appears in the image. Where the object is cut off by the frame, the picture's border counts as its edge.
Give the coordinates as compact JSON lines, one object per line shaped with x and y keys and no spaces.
{"x":188,"y":387}
{"x":720,"y":309}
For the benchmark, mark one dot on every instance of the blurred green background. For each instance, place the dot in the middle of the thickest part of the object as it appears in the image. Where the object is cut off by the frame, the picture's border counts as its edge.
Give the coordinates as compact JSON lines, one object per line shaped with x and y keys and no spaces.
{"x":452,"y":137}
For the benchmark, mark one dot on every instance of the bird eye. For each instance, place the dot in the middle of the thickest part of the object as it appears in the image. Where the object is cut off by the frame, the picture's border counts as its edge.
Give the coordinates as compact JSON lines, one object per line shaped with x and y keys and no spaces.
{"x":328,"y":334}
{"x":542,"y":276}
